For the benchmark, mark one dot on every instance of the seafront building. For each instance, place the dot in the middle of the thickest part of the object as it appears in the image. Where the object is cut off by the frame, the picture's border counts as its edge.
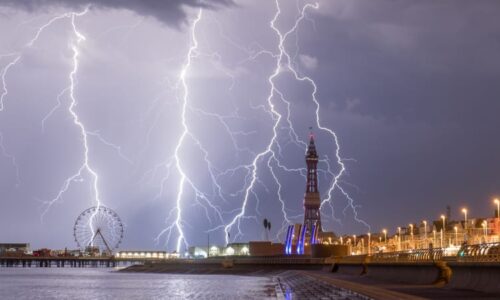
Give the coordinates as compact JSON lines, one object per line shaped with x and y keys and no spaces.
{"x":442,"y":233}
{"x":232,"y":249}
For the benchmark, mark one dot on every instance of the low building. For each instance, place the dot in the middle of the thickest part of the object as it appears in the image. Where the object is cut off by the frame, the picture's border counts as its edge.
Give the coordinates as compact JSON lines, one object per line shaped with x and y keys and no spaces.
{"x":146,"y":254}
{"x":232,"y":249}
{"x":266,"y":248}
{"x":239,"y":249}
{"x":14,"y":248}
{"x":44,"y":252}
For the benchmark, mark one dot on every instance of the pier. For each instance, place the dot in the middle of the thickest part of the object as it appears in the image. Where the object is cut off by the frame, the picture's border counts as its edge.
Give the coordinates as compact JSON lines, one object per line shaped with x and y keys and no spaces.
{"x":69,"y":262}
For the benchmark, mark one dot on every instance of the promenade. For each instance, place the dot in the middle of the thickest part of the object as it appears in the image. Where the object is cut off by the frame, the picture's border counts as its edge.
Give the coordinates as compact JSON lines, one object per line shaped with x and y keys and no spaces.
{"x":387,"y":290}
{"x":423,"y":274}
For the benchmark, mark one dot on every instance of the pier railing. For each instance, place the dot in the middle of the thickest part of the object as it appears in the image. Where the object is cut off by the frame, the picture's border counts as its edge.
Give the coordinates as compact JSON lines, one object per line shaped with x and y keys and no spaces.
{"x":418,"y":255}
{"x":487,"y":252}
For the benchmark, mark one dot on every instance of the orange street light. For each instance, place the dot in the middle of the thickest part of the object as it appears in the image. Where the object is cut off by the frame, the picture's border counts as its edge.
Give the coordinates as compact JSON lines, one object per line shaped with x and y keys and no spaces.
{"x":497,"y":202}
{"x":425,"y":229}
{"x":369,"y":243}
{"x":399,"y":238}
{"x":456,"y":235}
{"x":464,"y":211}
{"x":442,"y":230}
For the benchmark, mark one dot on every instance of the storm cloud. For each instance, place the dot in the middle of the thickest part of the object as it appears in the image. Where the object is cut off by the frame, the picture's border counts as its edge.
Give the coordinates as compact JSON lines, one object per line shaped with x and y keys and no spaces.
{"x":410,"y":87}
{"x":171,"y":12}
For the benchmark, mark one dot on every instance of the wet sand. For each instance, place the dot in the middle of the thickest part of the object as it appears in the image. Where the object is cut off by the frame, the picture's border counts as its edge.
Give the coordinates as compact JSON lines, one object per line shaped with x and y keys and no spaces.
{"x":314,"y":281}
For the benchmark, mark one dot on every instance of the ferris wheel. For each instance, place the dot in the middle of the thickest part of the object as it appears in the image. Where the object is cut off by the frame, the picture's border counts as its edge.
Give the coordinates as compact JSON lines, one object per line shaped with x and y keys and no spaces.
{"x":98,"y":227}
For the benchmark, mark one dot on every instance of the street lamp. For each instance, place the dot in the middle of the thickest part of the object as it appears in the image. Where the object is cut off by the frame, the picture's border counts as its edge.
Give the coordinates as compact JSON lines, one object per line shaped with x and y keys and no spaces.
{"x":442,"y":230}
{"x":399,"y":238}
{"x":485,"y":228}
{"x":369,"y":243}
{"x":434,"y":236}
{"x":425,"y":230}
{"x":444,"y":220}
{"x":412,"y":245}
{"x":464,"y":211}
{"x":497,"y":202}
{"x":385,"y":235}
{"x":354,"y":238}
{"x":456,"y":235}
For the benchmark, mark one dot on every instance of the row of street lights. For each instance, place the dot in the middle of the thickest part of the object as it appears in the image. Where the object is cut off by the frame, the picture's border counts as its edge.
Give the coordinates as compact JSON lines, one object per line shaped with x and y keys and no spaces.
{"x":443,"y":217}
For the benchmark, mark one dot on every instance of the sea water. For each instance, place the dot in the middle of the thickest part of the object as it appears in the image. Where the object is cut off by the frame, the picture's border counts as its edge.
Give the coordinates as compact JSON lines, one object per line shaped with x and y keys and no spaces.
{"x":70,"y":283}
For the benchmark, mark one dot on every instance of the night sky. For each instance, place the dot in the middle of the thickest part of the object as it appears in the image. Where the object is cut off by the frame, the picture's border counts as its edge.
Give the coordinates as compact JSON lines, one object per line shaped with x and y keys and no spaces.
{"x":411,"y":88}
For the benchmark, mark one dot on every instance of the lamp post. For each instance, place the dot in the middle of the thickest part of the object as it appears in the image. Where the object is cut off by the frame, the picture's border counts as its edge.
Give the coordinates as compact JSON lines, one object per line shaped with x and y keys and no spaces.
{"x":464,"y":211}
{"x":485,"y":228}
{"x":354,"y":239}
{"x":497,"y":202}
{"x":434,"y":236}
{"x":399,"y":238}
{"x":456,"y":235}
{"x":385,"y":236}
{"x":411,"y":235}
{"x":425,"y":230}
{"x":442,"y":230}
{"x":369,"y":243}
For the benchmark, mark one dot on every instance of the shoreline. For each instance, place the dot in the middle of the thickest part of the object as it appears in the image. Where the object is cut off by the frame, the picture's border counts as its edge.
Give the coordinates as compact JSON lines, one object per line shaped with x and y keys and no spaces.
{"x":315,"y":280}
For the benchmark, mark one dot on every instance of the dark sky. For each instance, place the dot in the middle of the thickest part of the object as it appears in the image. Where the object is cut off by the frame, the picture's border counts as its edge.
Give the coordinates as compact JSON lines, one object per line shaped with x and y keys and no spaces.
{"x":410,"y":87}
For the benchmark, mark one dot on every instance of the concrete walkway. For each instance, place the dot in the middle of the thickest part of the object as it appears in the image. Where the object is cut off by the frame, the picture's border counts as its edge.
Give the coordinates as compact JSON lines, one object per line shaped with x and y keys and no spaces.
{"x":388,"y":291}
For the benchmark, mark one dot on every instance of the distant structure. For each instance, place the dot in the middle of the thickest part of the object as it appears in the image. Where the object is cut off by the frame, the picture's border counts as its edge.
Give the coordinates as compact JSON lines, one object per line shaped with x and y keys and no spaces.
{"x":300,"y":237}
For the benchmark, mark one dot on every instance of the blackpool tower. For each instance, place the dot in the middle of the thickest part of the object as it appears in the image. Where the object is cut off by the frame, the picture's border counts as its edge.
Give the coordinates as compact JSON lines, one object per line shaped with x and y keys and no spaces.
{"x":312,"y":201}
{"x":301,"y":237}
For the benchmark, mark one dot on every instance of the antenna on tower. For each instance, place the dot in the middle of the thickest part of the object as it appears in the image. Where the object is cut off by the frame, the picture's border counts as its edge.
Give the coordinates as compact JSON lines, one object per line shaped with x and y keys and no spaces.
{"x":311,"y":134}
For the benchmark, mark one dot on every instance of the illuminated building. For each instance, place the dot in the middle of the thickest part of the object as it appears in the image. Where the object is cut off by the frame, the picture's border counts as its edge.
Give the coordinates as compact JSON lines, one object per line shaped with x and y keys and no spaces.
{"x":153,"y":255}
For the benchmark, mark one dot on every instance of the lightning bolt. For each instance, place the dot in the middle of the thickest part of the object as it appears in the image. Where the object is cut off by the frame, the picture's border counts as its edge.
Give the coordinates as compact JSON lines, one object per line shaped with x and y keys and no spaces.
{"x":4,"y":94}
{"x":177,"y":225}
{"x":85,"y":170}
{"x":176,"y":162}
{"x":85,"y":167}
{"x":278,"y":108}
{"x":17,"y":56}
{"x":285,"y":63}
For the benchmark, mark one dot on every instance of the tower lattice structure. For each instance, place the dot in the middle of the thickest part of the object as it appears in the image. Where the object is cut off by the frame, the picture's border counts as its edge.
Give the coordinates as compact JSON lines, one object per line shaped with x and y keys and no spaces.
{"x":312,"y":201}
